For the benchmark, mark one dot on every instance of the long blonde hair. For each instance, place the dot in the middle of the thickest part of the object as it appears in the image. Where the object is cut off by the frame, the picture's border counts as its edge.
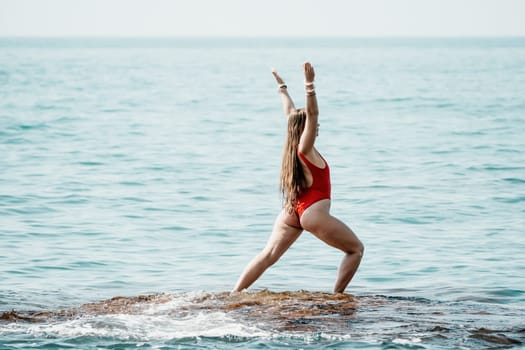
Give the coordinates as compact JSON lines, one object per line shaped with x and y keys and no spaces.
{"x":293,"y":179}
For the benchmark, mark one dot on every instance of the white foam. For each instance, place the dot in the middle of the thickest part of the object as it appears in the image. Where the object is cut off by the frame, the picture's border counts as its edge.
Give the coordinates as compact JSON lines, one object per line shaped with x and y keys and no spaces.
{"x":175,"y":303}
{"x":142,"y":327}
{"x":412,"y":340}
{"x":155,"y":322}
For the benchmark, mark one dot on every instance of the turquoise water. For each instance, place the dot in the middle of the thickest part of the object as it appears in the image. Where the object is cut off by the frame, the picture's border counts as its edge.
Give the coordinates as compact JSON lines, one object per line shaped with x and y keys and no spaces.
{"x":144,"y":166}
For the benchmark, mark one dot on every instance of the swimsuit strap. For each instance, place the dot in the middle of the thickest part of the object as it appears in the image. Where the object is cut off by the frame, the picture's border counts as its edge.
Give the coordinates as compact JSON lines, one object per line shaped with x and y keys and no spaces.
{"x":310,"y":164}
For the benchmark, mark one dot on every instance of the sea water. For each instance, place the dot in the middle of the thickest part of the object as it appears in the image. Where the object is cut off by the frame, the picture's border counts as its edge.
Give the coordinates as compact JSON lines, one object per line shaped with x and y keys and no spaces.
{"x":151,"y":166}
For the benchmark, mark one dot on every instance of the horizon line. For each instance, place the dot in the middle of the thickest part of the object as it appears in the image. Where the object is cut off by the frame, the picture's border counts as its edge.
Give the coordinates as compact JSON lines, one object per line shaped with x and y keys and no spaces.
{"x":81,"y":36}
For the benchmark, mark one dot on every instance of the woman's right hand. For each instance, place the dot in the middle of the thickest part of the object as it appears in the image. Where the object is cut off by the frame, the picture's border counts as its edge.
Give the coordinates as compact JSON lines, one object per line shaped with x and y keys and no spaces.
{"x":277,"y":77}
{"x":287,"y":101}
{"x":309,"y":73}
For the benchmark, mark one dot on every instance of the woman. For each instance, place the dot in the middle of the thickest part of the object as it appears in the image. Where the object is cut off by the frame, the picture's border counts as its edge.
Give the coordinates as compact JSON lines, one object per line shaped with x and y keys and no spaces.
{"x":305,"y":184}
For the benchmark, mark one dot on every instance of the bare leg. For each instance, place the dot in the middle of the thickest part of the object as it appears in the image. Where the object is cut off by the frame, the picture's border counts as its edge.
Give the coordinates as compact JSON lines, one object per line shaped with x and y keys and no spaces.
{"x":317,"y":220}
{"x":286,"y":230}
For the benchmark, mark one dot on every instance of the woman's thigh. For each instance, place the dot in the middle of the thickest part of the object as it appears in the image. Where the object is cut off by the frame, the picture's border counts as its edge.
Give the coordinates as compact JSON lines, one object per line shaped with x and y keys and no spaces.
{"x":330,"y":229}
{"x":286,"y":230}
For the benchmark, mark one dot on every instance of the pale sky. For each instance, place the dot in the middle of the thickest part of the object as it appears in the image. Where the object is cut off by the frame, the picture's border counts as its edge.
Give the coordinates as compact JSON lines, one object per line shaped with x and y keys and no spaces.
{"x":183,"y":18}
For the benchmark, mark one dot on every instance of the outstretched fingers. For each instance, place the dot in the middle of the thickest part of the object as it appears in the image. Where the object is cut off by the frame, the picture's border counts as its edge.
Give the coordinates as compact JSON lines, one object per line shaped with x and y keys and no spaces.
{"x":277,"y":76}
{"x":309,"y":73}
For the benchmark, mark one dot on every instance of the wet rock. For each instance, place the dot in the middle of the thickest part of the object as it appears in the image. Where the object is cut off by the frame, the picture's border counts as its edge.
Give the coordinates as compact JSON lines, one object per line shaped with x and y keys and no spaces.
{"x":492,"y":336}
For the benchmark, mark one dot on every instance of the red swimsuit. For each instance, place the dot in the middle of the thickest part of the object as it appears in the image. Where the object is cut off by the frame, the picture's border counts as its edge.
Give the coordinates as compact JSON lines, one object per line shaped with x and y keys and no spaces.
{"x":319,"y":190}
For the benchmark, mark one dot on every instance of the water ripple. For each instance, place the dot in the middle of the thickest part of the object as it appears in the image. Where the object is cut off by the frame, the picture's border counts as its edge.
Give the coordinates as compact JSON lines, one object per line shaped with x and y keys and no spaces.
{"x":121,"y":173}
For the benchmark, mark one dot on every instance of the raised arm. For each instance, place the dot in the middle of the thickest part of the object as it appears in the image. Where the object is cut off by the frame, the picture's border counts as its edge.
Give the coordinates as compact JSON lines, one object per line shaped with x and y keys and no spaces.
{"x":288,"y":105}
{"x":306,"y":144}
